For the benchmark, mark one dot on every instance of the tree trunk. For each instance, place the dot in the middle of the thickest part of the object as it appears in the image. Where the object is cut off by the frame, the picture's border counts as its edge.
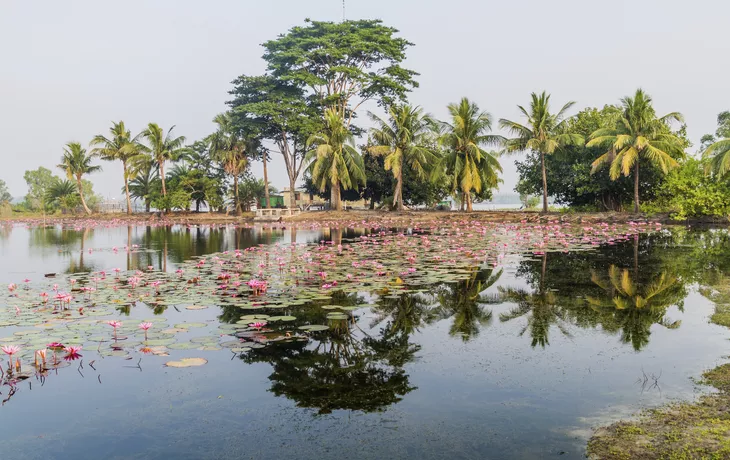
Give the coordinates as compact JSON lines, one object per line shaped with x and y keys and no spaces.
{"x":636,"y":187}
{"x":162,"y":177}
{"x":462,"y":203}
{"x":292,"y":193}
{"x":469,"y":207}
{"x":81,"y":195}
{"x":147,"y":205}
{"x":266,"y":184}
{"x":335,"y":201}
{"x":544,"y":184}
{"x":399,"y":193}
{"x":236,"y":199}
{"x":126,"y":188}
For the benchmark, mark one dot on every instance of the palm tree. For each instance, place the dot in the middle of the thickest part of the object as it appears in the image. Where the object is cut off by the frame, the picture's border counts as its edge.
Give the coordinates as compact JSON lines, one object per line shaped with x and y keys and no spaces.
{"x":76,"y":163}
{"x":639,"y":133}
{"x":543,"y":133}
{"x":230,"y":147}
{"x":145,"y":173}
{"x":333,"y":160}
{"x":719,"y":155}
{"x":63,"y":193}
{"x":120,"y":146}
{"x":163,"y":147}
{"x":403,"y":140}
{"x":468,"y":165}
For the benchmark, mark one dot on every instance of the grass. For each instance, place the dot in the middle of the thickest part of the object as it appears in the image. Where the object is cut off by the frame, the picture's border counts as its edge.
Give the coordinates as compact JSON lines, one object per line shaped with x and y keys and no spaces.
{"x":699,"y":430}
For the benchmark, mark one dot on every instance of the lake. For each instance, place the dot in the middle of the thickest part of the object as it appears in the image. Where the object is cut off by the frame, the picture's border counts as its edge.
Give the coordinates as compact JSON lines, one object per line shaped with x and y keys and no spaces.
{"x":469,"y":341}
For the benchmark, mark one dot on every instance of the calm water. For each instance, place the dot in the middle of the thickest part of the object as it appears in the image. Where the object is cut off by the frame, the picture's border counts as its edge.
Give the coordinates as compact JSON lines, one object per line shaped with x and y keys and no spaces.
{"x":518,"y":361}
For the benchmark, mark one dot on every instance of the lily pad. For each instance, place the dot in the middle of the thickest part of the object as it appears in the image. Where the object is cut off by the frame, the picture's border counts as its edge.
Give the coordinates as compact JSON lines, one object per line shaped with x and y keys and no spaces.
{"x":187,"y":362}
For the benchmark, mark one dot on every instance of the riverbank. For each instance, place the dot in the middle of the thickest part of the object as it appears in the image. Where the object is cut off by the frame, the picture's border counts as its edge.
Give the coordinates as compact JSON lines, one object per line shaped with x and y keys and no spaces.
{"x":693,"y":430}
{"x":387,"y":218}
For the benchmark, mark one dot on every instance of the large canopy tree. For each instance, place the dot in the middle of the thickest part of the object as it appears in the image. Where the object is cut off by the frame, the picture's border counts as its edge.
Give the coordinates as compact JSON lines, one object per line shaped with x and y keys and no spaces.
{"x":333,"y":160}
{"x":343,"y":64}
{"x":404,"y":142}
{"x":282,"y":114}
{"x":119,"y":146}
{"x":638,"y":133}
{"x":543,"y":133}
{"x":77,"y":163}
{"x":470,"y":167}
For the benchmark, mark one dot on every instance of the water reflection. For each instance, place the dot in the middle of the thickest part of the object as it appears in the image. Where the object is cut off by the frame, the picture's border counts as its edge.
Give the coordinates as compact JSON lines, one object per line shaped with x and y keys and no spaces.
{"x":342,"y":368}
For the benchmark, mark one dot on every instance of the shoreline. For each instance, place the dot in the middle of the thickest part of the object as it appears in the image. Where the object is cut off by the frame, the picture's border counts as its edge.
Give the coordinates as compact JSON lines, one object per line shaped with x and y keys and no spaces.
{"x":388,"y":217}
{"x":682,"y":430}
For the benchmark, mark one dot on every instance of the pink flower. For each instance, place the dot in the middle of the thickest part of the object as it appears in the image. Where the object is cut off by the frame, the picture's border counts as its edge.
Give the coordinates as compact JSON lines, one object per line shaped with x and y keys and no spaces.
{"x":10,"y":350}
{"x":114,"y":324}
{"x":258,"y":324}
{"x":72,"y":353}
{"x":11,"y":287}
{"x":145,"y":326}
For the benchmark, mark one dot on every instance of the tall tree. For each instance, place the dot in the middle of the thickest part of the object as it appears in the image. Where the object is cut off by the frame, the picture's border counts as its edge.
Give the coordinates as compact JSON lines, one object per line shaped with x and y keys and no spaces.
{"x":544,"y":133}
{"x":717,"y":147}
{"x":143,"y":185}
{"x":283,"y":115}
{"x":230,"y":146}
{"x":638,"y":133}
{"x":469,"y":166}
{"x":77,"y":163}
{"x":5,"y":196}
{"x":39,"y":181}
{"x":403,"y":141}
{"x":119,"y":146}
{"x":333,"y":160}
{"x":163,"y":147}
{"x":344,"y":63}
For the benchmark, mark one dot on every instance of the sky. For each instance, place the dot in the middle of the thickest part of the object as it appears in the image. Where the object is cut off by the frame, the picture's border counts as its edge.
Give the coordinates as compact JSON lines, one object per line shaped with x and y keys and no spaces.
{"x":69,"y":68}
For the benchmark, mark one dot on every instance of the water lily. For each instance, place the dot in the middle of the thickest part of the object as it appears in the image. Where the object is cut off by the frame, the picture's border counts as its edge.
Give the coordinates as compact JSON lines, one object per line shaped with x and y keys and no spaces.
{"x":258,"y":325}
{"x":145,"y":327}
{"x":72,"y":353}
{"x":10,"y":350}
{"x":115,"y":325}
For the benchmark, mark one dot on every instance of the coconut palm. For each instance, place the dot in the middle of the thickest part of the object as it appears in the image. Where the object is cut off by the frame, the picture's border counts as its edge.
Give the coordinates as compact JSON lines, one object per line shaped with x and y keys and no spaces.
{"x":468,"y":165}
{"x":404,"y":142}
{"x":639,"y":133}
{"x":544,"y":133}
{"x":162,"y":147}
{"x":333,"y":160}
{"x":144,"y":171}
{"x":230,"y":147}
{"x":77,"y":163}
{"x":120,"y":146}
{"x":719,"y":157}
{"x":63,"y":193}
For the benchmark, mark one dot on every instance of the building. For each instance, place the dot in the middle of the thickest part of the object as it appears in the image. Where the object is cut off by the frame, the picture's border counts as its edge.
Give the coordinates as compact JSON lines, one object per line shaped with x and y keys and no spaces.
{"x":302,"y":199}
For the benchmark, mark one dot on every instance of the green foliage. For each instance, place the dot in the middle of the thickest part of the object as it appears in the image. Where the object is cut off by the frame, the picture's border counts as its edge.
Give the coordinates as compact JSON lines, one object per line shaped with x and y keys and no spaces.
{"x":404,"y":143}
{"x":63,"y":194}
{"x":146,"y":181}
{"x":638,"y":133}
{"x":717,"y":149}
{"x":76,"y":163}
{"x":333,"y":160}
{"x":177,"y":199}
{"x":39,"y":182}
{"x":5,"y":196}
{"x":689,"y":192}
{"x":470,"y":168}
{"x":251,"y":191}
{"x":362,"y":61}
{"x":543,"y":134}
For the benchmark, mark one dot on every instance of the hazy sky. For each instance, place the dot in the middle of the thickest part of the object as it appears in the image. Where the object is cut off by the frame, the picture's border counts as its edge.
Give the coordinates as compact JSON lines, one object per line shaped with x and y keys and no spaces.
{"x":68,"y":68}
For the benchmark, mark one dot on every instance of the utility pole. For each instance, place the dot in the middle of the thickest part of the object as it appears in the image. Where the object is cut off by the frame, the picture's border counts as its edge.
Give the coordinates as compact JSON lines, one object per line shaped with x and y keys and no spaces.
{"x":343,"y":10}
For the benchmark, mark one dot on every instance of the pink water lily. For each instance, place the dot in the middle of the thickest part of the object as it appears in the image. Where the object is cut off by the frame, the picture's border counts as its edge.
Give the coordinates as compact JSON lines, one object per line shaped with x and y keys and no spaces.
{"x":258,"y":325}
{"x":72,"y":353}
{"x":145,"y":327}
{"x":115,"y":325}
{"x":10,"y":350}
